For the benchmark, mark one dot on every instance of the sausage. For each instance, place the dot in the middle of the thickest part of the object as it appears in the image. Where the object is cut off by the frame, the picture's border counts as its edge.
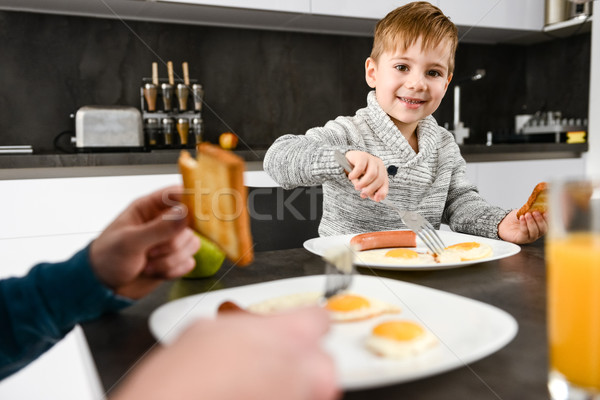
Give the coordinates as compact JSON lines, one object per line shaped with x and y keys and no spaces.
{"x":230,"y":306}
{"x":384,"y":239}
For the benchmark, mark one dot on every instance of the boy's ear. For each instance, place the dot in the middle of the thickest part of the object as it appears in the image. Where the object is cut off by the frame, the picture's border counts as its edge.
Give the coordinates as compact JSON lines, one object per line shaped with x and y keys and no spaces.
{"x":448,"y":81}
{"x":370,"y":72}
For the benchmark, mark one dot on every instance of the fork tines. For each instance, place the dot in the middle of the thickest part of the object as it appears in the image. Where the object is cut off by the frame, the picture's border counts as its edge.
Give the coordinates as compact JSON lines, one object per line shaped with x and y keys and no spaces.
{"x":336,"y":281}
{"x":339,"y":269}
{"x":431,"y":238}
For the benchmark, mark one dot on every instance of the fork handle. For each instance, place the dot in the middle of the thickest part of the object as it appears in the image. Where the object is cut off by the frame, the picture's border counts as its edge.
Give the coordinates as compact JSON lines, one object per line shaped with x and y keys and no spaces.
{"x":387,"y":202}
{"x":343,"y":161}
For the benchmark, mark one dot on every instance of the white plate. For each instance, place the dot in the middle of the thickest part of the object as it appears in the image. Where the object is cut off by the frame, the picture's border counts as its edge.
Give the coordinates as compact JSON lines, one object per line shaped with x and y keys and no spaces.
{"x":500,"y":249}
{"x":467,"y":330}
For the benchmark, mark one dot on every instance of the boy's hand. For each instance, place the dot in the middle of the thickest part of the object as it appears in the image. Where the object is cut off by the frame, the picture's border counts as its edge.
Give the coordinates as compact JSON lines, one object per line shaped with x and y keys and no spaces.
{"x":369,"y":175}
{"x":527,"y":229}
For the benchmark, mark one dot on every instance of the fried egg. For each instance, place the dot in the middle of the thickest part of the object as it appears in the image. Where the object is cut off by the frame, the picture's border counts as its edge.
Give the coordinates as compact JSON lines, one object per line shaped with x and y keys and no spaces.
{"x":285,"y":303}
{"x":343,"y":307}
{"x":400,"y":339}
{"x":397,"y":256}
{"x":466,"y":251}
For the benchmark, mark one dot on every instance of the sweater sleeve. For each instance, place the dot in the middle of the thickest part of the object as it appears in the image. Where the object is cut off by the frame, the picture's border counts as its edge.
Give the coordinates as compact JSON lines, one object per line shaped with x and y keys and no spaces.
{"x":39,"y":309}
{"x":308,"y":160}
{"x":468,"y":212}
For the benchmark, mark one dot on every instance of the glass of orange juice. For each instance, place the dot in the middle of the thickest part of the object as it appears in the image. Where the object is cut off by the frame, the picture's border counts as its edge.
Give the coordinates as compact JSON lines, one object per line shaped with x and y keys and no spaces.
{"x":573,"y":283}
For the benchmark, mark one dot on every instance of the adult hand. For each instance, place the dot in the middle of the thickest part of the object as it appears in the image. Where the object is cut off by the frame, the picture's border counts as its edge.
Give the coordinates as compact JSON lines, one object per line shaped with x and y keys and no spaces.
{"x":369,"y":175}
{"x":240,"y":356}
{"x":527,"y":229}
{"x":146,"y":244}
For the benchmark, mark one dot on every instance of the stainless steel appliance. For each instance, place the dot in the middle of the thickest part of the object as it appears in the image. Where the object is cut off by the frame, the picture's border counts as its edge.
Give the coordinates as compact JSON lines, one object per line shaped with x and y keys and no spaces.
{"x":98,"y":127}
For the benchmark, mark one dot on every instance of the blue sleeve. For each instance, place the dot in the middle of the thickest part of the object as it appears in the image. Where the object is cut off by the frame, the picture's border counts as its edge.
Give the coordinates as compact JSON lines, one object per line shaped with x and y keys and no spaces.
{"x":39,"y":309}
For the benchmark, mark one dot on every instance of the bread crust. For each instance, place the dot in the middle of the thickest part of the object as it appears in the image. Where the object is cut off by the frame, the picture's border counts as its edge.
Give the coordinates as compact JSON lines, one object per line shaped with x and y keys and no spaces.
{"x":537,"y":200}
{"x":217,"y":200}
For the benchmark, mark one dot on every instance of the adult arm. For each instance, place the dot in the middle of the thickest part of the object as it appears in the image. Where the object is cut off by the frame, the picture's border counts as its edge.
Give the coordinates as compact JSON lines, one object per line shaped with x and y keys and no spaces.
{"x":146,"y":244}
{"x":39,"y":309}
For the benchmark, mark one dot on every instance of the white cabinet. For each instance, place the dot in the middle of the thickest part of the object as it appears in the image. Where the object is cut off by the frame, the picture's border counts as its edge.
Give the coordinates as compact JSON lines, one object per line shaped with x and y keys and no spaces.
{"x":298,"y":6}
{"x":373,"y":9}
{"x":504,"y":14}
{"x":508,"y":184}
{"x":485,"y":21}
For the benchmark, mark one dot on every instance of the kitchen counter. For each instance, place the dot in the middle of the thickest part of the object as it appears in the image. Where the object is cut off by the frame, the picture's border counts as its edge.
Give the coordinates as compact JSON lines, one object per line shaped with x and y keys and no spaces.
{"x":471,"y":152}
{"x":522,"y":151}
{"x":86,"y":159}
{"x":515,"y":284}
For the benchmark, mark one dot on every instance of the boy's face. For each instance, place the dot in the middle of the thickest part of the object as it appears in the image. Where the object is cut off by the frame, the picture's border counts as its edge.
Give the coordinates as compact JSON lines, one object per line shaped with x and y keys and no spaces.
{"x":411,"y":83}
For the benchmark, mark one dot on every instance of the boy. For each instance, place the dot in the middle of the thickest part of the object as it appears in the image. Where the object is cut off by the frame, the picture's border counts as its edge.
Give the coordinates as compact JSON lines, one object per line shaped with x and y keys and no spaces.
{"x":396,"y":147}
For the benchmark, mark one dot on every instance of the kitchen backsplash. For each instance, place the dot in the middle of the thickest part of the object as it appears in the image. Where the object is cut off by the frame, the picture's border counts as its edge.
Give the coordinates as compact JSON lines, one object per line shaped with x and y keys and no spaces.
{"x":258,"y":84}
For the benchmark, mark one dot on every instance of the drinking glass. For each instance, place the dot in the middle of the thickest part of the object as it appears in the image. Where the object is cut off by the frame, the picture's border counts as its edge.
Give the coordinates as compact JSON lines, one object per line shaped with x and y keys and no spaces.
{"x":573,"y":273}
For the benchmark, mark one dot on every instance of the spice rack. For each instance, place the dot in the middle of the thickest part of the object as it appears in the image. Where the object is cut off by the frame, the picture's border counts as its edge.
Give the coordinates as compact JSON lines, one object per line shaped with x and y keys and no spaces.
{"x":171,"y":110}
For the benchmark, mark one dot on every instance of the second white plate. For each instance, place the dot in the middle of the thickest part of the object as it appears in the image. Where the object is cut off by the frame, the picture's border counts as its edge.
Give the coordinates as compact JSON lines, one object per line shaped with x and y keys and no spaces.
{"x":501,"y":249}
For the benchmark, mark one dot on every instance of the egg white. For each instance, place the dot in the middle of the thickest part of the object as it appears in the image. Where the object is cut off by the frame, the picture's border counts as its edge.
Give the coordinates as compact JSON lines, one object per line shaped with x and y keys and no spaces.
{"x":378,"y":257}
{"x":305,"y":299}
{"x":399,"y":349}
{"x":455,"y":253}
{"x":285,"y":303}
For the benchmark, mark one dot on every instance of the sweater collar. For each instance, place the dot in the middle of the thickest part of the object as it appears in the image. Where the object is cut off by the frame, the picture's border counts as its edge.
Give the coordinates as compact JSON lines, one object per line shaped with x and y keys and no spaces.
{"x":384,"y":128}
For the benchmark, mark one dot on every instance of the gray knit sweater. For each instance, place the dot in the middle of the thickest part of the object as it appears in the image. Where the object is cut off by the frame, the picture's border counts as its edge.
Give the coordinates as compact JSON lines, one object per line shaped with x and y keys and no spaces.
{"x":432,"y":181}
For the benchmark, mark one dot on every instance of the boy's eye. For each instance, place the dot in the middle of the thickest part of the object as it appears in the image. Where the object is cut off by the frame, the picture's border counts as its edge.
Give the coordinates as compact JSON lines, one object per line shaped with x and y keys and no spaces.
{"x":401,"y":67}
{"x":434,"y":73}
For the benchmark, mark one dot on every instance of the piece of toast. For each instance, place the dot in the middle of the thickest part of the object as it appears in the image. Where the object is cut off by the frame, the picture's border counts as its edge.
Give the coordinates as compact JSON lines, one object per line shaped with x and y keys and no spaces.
{"x":217,"y":200}
{"x":537,"y":201}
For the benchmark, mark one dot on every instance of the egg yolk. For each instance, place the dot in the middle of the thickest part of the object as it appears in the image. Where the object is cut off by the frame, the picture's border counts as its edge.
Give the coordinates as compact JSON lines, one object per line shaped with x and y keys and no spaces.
{"x":346,"y":302}
{"x":464,"y":246}
{"x":402,"y":253}
{"x":398,"y":330}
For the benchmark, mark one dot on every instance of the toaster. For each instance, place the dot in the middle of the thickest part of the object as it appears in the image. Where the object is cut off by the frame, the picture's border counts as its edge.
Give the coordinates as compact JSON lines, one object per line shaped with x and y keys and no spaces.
{"x":108,"y":127}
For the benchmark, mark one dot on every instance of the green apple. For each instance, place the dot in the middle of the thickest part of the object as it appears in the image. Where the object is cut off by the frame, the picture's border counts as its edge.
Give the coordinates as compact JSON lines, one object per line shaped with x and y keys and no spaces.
{"x":209,"y":259}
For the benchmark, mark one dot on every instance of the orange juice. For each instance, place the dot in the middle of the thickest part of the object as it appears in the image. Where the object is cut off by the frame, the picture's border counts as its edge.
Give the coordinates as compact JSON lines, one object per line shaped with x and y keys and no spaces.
{"x":574,"y":307}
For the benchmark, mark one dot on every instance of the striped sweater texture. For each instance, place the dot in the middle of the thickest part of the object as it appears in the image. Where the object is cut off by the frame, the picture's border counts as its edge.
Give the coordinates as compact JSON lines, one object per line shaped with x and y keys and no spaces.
{"x":431,"y":182}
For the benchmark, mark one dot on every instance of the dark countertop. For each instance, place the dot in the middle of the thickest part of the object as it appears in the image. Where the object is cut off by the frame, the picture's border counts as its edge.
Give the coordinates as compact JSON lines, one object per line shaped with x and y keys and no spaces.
{"x":471,"y":152}
{"x":515,"y":284}
{"x":105,"y":158}
{"x":521,"y":151}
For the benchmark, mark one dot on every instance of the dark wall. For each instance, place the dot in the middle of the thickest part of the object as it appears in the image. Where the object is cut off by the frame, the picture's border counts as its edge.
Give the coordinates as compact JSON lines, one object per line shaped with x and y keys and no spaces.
{"x":549,"y":76}
{"x":259,"y":84}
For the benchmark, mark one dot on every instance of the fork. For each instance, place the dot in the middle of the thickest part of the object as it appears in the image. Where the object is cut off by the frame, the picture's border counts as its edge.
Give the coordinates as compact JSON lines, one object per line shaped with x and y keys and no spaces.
{"x":412,"y":219}
{"x":419,"y":225}
{"x":339,"y":269}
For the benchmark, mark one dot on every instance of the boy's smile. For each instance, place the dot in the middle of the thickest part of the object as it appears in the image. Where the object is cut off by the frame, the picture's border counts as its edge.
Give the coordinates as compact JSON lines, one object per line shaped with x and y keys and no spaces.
{"x":410,"y":84}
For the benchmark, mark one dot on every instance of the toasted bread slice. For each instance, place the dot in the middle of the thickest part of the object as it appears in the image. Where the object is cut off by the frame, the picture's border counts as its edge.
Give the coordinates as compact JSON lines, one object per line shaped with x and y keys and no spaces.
{"x":537,"y":201}
{"x":217,"y":200}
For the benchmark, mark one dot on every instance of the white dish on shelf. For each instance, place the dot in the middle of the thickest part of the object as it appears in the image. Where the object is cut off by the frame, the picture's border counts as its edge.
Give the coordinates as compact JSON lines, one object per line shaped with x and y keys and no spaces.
{"x":467,"y":330}
{"x":501,"y":249}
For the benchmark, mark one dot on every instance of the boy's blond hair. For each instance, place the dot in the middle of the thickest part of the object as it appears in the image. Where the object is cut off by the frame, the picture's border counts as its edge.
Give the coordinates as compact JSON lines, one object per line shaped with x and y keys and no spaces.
{"x":406,"y":24}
